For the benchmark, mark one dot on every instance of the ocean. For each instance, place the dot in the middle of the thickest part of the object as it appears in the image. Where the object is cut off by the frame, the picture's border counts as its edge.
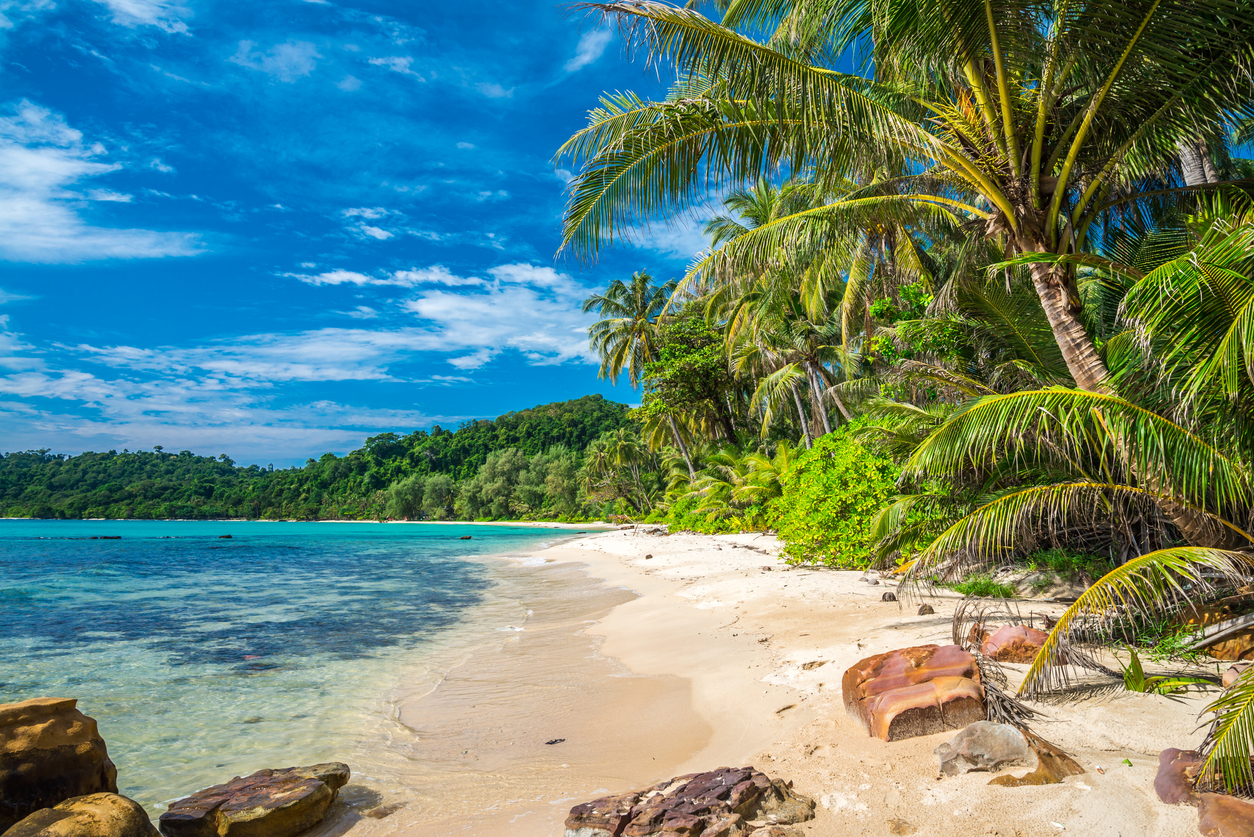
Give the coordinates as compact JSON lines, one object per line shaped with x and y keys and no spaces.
{"x":204,"y":657}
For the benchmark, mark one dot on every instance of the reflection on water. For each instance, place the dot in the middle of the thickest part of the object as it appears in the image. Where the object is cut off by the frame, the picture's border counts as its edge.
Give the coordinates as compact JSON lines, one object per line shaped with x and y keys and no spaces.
{"x":203,"y":658}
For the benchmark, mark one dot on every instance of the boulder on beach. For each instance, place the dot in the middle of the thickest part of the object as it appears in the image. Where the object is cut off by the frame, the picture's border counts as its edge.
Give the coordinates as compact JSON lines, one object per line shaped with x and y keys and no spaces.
{"x":94,"y":815}
{"x":914,"y":691}
{"x":727,"y":802}
{"x":983,"y":746}
{"x":49,"y":752}
{"x":1014,"y":644}
{"x":268,"y":803}
{"x":1177,"y":773}
{"x":1219,"y":815}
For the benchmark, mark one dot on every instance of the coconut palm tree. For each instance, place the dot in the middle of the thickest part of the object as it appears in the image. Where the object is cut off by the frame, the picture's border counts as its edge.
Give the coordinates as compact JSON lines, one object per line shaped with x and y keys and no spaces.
{"x":1036,"y":124}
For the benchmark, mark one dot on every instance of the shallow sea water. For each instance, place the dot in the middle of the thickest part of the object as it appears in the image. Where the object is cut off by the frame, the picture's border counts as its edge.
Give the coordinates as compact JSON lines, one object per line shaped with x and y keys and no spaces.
{"x":205,"y":658}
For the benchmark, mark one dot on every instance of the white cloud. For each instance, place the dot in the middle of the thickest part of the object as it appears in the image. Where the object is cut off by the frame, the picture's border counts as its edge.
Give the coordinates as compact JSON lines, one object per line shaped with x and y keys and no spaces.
{"x":494,"y":91}
{"x":466,"y":146}
{"x":372,"y":213}
{"x":375,"y":232}
{"x":435,"y":275}
{"x":286,"y":62}
{"x":160,"y":13}
{"x":498,"y":195}
{"x":107,"y":195}
{"x":397,"y":64}
{"x":156,"y":163}
{"x":42,"y":159}
{"x":591,"y":46}
{"x":7,"y":297}
{"x":362,"y":312}
{"x":349,"y":83}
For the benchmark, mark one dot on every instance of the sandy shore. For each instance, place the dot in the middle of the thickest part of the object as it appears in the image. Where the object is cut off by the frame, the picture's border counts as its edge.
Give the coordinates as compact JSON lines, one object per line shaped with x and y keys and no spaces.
{"x":697,"y":652}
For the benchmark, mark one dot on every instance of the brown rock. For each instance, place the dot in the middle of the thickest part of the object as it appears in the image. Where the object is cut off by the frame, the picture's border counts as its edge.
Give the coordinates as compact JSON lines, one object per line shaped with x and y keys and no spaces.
{"x":1014,"y":644}
{"x":1234,"y":673}
{"x":914,"y":691}
{"x":926,"y":610}
{"x":713,"y":804}
{"x":1225,"y":816}
{"x":269,"y":803}
{"x":94,"y":815}
{"x":49,"y":752}
{"x":1052,"y":766}
{"x":1177,"y":772}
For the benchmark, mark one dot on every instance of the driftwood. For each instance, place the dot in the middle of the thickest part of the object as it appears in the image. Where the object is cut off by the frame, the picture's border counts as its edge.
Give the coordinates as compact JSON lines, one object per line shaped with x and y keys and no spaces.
{"x":1221,"y":631}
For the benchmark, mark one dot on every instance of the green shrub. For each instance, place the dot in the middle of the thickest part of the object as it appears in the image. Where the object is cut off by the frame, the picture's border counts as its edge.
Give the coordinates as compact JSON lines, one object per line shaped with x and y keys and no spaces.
{"x":982,"y":587}
{"x":1070,"y":565}
{"x":830,"y":498}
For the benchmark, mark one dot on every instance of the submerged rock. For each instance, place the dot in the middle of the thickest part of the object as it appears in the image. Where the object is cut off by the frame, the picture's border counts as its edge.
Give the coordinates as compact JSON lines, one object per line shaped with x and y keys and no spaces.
{"x":269,"y":803}
{"x":914,"y":691}
{"x":94,"y":815}
{"x":49,"y":752}
{"x":727,"y":802}
{"x":982,"y":746}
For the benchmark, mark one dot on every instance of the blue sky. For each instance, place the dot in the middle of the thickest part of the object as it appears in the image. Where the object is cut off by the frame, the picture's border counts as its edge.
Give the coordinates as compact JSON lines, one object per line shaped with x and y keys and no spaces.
{"x":273,"y":229}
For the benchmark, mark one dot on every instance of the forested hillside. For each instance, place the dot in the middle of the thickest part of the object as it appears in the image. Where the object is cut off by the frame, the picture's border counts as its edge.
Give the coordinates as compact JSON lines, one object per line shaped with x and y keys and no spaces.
{"x":160,"y":484}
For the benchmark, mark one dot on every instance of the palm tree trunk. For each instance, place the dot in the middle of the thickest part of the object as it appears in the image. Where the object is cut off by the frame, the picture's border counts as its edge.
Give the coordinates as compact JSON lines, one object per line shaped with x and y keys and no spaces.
{"x":805,"y":422}
{"x":1062,"y":309}
{"x":1195,"y":163}
{"x":817,"y":394}
{"x":683,"y":448}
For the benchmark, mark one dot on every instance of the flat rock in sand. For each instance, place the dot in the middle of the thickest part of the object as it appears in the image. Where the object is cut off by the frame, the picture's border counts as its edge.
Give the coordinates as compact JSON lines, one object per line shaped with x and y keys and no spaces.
{"x":727,"y":802}
{"x":49,"y":752}
{"x":1177,"y":773}
{"x":94,"y":815}
{"x":1225,"y":816}
{"x":269,"y":803}
{"x":982,"y":746}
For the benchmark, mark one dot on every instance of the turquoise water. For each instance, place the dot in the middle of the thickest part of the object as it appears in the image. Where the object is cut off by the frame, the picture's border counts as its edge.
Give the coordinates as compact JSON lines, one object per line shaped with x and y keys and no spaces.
{"x":203,"y":658}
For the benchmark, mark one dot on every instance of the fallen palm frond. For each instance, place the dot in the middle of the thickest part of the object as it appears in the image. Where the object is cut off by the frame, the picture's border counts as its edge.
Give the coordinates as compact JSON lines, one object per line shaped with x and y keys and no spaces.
{"x":1230,"y":740}
{"x":1158,"y":582}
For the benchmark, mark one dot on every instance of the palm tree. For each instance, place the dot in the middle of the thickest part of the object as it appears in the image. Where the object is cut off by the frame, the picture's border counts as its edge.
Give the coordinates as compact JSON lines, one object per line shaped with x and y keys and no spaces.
{"x":626,"y":336}
{"x":1035,"y":123}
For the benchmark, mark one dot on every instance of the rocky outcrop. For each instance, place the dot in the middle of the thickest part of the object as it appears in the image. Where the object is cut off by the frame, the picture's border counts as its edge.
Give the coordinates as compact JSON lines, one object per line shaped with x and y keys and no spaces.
{"x":269,"y":803}
{"x":728,"y":802}
{"x":914,"y":691}
{"x":49,"y":752}
{"x":94,"y":815}
{"x":1225,"y":816}
{"x":1014,"y":644}
{"x":982,"y":746}
{"x":1177,"y":773}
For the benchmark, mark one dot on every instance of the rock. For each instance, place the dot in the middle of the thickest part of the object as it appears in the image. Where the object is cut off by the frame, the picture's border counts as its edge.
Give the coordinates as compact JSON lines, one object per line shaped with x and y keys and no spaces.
{"x":1177,"y":771}
{"x":1219,"y":815}
{"x":269,"y":803}
{"x":1233,"y":673}
{"x":888,"y":597}
{"x":926,"y":610}
{"x":1014,"y":644}
{"x":1052,"y":766}
{"x":720,"y":803}
{"x":465,"y":538}
{"x":914,"y":691}
{"x":774,"y":831}
{"x":93,"y":815}
{"x":224,"y":537}
{"x":982,"y":746}
{"x":49,"y":752}
{"x":649,"y":556}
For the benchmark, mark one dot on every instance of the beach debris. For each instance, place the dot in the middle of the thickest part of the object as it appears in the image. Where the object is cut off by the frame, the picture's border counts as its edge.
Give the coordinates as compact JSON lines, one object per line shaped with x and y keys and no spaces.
{"x":49,"y":752}
{"x":1013,"y":644}
{"x":926,"y":610}
{"x":1128,"y":762}
{"x":784,"y":709}
{"x":268,"y":803}
{"x":888,"y":597}
{"x":649,"y":556}
{"x":767,"y":569}
{"x":1052,"y":766}
{"x":722,"y":803}
{"x":1220,"y":815}
{"x":555,"y":741}
{"x":982,"y":746}
{"x":1177,"y":773}
{"x":914,"y":691}
{"x":92,"y":815}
